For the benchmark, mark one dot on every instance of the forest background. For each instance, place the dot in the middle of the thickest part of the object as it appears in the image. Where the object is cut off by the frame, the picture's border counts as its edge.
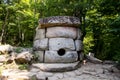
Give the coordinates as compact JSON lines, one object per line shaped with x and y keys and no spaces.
{"x":100,"y":22}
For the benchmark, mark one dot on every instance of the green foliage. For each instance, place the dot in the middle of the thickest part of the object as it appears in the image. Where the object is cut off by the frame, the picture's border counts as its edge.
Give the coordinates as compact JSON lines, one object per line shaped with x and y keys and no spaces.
{"x":23,"y":66}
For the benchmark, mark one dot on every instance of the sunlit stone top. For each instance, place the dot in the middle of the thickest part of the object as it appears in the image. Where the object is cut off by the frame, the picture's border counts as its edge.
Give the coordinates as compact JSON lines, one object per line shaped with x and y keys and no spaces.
{"x":54,"y":21}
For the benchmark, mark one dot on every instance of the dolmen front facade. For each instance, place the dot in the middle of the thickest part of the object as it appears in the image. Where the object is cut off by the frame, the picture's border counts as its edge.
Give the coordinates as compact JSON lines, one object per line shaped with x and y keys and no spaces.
{"x":57,"y":43}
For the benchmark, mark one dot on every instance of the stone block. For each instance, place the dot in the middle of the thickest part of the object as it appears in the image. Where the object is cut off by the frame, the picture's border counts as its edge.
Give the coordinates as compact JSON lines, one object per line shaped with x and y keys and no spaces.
{"x":39,"y":55}
{"x":54,"y":56}
{"x":57,"y":67}
{"x":59,"y":21}
{"x":40,"y":44}
{"x":40,"y":34}
{"x":78,"y":45}
{"x":64,"y":32}
{"x":79,"y":33}
{"x":64,"y":43}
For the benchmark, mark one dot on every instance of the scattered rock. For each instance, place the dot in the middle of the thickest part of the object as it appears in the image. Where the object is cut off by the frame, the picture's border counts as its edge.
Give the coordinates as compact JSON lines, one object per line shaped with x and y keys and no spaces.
{"x":93,"y":59}
{"x":24,"y":57}
{"x":108,"y":62}
{"x":5,"y":49}
{"x":3,"y":58}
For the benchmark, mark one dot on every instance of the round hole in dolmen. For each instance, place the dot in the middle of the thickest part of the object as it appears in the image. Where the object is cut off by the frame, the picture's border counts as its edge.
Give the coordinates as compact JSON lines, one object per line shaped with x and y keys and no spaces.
{"x":61,"y":52}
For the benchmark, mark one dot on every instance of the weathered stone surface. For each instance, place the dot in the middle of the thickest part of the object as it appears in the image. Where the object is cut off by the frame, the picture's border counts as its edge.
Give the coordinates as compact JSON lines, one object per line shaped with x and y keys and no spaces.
{"x":64,"y":32}
{"x":79,"y":45}
{"x":79,"y":33}
{"x":59,"y":21}
{"x":64,"y":43}
{"x":24,"y":57}
{"x":39,"y":55}
{"x":40,"y":34}
{"x":93,"y":59}
{"x":3,"y":58}
{"x":53,"y":56}
{"x":4,"y":49}
{"x":81,"y":56}
{"x":41,"y":44}
{"x":57,"y":67}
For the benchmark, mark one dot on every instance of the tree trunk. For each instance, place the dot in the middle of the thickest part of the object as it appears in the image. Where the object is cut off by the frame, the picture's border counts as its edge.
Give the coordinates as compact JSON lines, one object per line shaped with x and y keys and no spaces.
{"x":3,"y":36}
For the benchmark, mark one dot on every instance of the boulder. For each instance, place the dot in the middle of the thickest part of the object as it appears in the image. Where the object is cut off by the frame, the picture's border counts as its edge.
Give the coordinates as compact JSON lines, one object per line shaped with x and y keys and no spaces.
{"x":64,"y":43}
{"x":59,"y":21}
{"x":24,"y":57}
{"x":3,"y":59}
{"x":55,"y":57}
{"x":40,"y":44}
{"x":64,"y":32}
{"x":78,"y":45}
{"x":40,"y":34}
{"x":4,"y":49}
{"x":11,"y":57}
{"x":93,"y":59}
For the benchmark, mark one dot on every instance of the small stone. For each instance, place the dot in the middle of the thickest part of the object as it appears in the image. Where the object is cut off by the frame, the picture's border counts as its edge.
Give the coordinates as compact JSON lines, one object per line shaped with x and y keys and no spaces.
{"x":61,"y":43}
{"x":46,"y":74}
{"x":77,"y":72}
{"x":58,"y":75}
{"x":52,"y":78}
{"x":68,"y":56}
{"x":40,"y":34}
{"x":41,"y":44}
{"x":34,"y":70}
{"x":70,"y":74}
{"x":64,"y":32}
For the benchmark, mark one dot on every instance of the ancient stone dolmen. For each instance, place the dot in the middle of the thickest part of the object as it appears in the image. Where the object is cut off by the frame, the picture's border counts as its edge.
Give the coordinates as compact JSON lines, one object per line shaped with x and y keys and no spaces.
{"x":58,"y":42}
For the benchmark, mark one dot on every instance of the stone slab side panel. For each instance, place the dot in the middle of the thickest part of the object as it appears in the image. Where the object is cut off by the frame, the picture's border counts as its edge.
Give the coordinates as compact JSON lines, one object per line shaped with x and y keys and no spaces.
{"x":79,"y":33}
{"x":79,"y":45}
{"x":59,"y":21}
{"x":40,"y":34}
{"x":64,"y":43}
{"x":54,"y":57}
{"x":40,"y":44}
{"x":39,"y":55}
{"x":64,"y":32}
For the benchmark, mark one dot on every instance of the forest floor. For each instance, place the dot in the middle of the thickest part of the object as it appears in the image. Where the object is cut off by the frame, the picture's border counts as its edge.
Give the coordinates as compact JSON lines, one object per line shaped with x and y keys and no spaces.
{"x":87,"y":71}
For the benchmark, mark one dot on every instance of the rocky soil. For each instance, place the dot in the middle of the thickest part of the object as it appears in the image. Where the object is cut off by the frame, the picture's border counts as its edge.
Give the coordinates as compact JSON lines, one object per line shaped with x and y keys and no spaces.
{"x":87,"y":71}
